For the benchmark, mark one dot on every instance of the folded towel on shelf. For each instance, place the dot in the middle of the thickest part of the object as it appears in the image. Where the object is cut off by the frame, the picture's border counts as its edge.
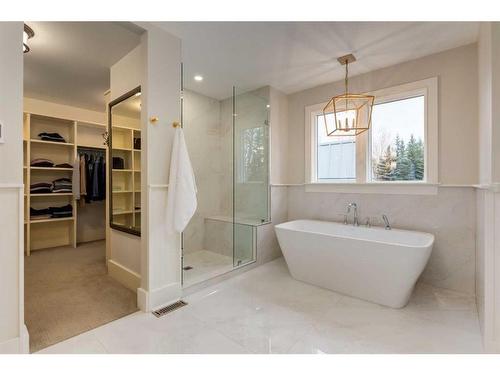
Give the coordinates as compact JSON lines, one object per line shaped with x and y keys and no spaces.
{"x":51,"y":212}
{"x":41,"y":162}
{"x":137,"y":143}
{"x":62,"y":185}
{"x":63,"y":165}
{"x":41,"y":188}
{"x":43,"y":213}
{"x":62,"y":180}
{"x":53,"y":137}
{"x":62,"y":189}
{"x":118,"y":163}
{"x":63,"y":211}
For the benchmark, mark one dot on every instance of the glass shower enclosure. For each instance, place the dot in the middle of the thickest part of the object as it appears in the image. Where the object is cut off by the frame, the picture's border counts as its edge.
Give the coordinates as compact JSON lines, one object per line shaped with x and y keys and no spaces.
{"x":228,"y":143}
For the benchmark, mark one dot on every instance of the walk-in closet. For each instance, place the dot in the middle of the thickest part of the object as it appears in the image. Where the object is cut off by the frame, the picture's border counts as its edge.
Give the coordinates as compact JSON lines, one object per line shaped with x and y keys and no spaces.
{"x":69,"y":172}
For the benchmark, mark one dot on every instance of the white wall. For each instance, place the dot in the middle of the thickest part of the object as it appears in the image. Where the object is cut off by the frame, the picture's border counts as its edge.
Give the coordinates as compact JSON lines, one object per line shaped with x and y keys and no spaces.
{"x":13,"y":333}
{"x":160,"y":249}
{"x":47,"y":108}
{"x":278,"y":118}
{"x":457,"y":73}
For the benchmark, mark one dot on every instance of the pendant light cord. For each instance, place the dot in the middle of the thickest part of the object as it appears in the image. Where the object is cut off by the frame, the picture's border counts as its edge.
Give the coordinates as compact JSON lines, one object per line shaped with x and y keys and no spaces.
{"x":346,"y":75}
{"x":346,"y":82}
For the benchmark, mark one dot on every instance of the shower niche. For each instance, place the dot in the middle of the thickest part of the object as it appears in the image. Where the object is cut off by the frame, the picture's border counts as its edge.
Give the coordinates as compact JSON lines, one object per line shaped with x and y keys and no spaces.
{"x":228,"y":142}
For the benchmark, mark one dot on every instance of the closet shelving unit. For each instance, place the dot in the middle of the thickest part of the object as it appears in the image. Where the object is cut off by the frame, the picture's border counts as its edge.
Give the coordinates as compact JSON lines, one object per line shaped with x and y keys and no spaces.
{"x":126,"y":182}
{"x":47,"y":233}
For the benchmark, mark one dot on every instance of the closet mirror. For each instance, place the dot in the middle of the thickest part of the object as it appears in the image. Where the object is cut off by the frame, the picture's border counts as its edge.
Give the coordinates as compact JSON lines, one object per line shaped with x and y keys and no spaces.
{"x":124,"y":128}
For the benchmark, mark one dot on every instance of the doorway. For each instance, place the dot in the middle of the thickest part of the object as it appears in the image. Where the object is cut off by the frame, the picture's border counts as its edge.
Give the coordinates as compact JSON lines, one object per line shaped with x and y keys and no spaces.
{"x":68,"y":286}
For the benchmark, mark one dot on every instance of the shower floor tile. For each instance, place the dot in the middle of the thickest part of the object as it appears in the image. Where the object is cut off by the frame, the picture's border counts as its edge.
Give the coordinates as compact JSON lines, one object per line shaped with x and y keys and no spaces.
{"x":205,"y":265}
{"x":265,"y":310}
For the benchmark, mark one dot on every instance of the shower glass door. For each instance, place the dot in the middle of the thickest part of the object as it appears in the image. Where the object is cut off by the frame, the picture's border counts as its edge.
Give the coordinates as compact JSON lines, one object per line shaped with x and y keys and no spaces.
{"x":227,"y":139}
{"x":251,"y":171}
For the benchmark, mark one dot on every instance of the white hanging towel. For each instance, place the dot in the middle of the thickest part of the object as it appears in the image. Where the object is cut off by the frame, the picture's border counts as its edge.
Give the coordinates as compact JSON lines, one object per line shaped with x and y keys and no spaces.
{"x":181,"y":201}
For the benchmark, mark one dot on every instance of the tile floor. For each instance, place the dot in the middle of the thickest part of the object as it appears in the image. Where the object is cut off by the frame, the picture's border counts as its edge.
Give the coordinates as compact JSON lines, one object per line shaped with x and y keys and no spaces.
{"x":206,"y":264}
{"x":266,"y":311}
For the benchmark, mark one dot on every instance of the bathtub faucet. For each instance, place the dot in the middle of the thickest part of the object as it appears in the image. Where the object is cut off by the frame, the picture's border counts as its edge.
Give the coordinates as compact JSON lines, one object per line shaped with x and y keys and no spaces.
{"x":386,"y":221}
{"x":354,"y":206}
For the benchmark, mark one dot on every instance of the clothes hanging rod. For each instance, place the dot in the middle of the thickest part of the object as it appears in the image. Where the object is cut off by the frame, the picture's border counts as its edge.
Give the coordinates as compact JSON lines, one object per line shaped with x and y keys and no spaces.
{"x":90,"y":148}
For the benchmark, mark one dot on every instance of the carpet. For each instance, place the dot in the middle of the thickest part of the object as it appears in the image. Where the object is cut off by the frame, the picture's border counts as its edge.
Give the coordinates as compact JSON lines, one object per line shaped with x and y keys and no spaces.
{"x":68,"y":292}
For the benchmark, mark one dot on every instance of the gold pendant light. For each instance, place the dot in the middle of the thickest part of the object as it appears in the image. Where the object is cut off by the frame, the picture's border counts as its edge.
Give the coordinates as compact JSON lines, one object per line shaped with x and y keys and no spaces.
{"x":348,"y":114}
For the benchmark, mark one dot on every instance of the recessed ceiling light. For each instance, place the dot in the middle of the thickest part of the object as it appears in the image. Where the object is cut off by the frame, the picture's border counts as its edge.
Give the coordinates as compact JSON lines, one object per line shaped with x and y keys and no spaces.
{"x":198,"y":78}
{"x":268,"y":106}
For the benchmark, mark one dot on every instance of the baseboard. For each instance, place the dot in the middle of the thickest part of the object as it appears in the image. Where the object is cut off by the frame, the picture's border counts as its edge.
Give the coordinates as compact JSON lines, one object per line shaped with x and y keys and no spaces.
{"x":24,"y":344}
{"x":491,"y":346}
{"x":123,"y":275}
{"x":156,"y":298}
{"x":17,"y":345}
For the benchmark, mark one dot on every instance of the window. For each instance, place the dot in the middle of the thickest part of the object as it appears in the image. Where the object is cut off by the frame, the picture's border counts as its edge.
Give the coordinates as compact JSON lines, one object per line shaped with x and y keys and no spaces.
{"x":397,"y":140}
{"x":253,"y":157}
{"x":336,"y":156}
{"x":400,"y":149}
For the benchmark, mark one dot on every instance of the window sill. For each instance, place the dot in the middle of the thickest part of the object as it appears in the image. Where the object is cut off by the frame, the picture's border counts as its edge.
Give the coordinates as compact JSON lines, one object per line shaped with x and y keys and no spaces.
{"x":418,"y":188}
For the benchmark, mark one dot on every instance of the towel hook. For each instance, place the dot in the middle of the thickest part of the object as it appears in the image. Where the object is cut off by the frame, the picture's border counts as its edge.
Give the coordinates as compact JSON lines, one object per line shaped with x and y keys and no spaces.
{"x":176,"y":124}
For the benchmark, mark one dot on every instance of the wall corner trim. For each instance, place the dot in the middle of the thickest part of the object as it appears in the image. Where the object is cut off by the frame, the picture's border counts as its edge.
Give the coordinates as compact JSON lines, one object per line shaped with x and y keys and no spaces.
{"x":17,"y":345}
{"x":160,"y":297}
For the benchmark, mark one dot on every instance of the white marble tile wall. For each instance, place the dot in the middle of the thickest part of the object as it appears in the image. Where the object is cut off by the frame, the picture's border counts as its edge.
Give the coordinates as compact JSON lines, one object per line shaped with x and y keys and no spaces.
{"x":480,"y":255}
{"x":449,"y":215}
{"x":203,"y":132}
{"x":267,"y":243}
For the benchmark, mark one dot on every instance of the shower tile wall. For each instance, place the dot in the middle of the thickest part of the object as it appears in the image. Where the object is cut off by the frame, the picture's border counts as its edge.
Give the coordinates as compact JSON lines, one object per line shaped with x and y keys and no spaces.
{"x":205,"y":136}
{"x":208,"y":126}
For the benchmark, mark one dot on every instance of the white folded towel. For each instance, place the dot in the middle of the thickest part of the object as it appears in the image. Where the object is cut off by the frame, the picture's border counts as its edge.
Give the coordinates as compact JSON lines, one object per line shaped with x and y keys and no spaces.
{"x":181,"y":201}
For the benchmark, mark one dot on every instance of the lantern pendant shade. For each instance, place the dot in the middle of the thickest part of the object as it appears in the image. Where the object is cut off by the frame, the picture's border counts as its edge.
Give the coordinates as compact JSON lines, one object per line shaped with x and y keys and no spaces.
{"x":348,"y":114}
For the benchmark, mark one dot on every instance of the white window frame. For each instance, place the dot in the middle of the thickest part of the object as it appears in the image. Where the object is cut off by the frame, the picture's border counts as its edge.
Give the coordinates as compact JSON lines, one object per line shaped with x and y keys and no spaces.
{"x":363,"y":183}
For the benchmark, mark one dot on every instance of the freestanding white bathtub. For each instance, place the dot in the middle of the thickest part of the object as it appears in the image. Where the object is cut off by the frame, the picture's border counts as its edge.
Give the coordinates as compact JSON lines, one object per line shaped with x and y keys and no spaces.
{"x":373,"y":264}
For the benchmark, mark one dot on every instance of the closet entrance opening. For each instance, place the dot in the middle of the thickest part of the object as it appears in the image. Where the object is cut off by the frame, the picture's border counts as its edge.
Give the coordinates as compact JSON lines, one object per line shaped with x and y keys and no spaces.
{"x":72,"y":281}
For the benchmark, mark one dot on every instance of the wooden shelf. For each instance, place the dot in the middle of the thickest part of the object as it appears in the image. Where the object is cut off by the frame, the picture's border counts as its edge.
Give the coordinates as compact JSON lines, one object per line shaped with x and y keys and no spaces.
{"x":51,"y":169}
{"x":101,"y":147}
{"x":122,"y":148}
{"x":123,"y":212}
{"x":125,"y":128}
{"x":123,"y":191}
{"x":39,"y":141}
{"x":122,"y":170}
{"x":52,"y":195}
{"x":51,"y":220}
{"x":91,"y":124}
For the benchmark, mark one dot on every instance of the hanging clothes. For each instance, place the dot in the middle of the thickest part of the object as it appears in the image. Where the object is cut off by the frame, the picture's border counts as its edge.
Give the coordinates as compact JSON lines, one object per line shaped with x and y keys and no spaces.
{"x":75,"y":180}
{"x":92,"y":176}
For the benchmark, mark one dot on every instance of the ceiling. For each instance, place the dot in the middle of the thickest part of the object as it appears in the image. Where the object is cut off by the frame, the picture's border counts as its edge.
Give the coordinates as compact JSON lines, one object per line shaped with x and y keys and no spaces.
{"x":69,"y":61}
{"x":293,"y":56}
